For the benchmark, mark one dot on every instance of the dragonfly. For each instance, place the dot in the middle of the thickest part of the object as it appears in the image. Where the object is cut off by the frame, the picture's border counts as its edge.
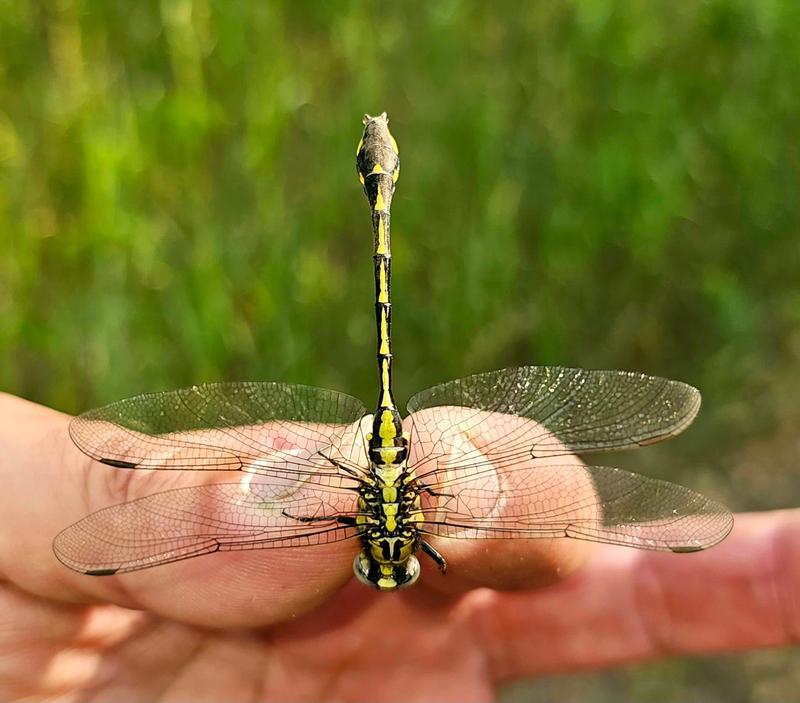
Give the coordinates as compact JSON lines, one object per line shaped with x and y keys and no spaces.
{"x":487,"y":457}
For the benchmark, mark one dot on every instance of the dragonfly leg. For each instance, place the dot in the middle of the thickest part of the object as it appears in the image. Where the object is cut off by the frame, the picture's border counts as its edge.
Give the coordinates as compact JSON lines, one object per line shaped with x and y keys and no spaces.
{"x":341,"y":519}
{"x":433,"y":554}
{"x":435,"y":494}
{"x":355,"y":473}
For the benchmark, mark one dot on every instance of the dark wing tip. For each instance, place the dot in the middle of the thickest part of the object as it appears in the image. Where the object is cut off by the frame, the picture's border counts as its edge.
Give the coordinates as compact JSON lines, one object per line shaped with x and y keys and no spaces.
{"x":725,"y":526}
{"x":62,"y":555}
{"x":686,"y":549}
{"x":119,"y":463}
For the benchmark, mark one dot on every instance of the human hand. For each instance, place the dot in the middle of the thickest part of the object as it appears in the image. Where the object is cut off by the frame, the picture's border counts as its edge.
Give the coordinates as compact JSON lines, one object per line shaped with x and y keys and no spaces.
{"x":226,"y":628}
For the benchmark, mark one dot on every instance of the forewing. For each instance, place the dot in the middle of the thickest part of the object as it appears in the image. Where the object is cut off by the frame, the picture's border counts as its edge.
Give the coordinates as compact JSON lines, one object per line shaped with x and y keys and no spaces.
{"x":595,"y":503}
{"x":188,"y":522}
{"x":542,"y":411}
{"x":274,"y":429}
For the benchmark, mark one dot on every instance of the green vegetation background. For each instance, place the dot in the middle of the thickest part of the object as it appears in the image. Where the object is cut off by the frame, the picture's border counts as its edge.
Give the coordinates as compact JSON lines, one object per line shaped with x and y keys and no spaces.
{"x":591,"y":184}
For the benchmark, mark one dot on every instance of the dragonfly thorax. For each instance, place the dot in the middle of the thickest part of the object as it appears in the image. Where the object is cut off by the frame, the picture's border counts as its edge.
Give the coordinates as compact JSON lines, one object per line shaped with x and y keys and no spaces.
{"x":389,"y":513}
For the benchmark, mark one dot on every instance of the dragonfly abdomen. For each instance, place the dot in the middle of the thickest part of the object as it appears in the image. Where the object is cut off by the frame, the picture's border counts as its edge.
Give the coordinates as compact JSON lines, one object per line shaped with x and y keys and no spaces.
{"x":387,"y":506}
{"x":378,"y":166}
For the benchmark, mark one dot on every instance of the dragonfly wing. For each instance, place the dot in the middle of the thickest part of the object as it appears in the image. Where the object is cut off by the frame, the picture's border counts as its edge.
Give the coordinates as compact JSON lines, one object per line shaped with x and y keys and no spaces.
{"x":501,"y":419}
{"x":595,"y":503}
{"x":186,"y":522}
{"x":273,"y":429}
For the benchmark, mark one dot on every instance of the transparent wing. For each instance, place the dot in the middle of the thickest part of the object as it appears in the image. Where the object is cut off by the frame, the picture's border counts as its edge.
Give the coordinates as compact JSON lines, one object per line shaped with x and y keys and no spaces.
{"x":188,"y":522}
{"x":595,"y":503}
{"x":504,"y":418}
{"x":274,"y":429}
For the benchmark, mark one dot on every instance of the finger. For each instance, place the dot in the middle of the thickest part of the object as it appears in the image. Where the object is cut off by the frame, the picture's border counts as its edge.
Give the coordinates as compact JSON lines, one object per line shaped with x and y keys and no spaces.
{"x":49,"y":484}
{"x":48,"y":647}
{"x":628,"y":606}
{"x":480,"y":490}
{"x":28,"y":622}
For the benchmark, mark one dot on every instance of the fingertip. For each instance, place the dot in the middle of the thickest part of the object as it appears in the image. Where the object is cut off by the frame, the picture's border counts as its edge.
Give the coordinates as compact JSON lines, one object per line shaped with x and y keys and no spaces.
{"x":505,"y":564}
{"x":50,"y":485}
{"x":241,"y":589}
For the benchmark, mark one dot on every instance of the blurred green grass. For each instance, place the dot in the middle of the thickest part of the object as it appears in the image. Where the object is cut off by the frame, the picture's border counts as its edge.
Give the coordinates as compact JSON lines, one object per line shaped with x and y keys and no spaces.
{"x":598,"y":184}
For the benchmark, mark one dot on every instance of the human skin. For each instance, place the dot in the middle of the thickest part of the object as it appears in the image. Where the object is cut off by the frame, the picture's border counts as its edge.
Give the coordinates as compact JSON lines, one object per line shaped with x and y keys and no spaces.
{"x":225,"y":627}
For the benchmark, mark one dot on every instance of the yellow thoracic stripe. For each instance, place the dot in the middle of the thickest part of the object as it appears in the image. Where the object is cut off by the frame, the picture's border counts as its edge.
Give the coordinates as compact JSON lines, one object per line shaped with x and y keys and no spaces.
{"x":388,"y":473}
{"x":390,"y":512}
{"x":380,"y":205}
{"x":389,"y":494}
{"x":389,"y":455}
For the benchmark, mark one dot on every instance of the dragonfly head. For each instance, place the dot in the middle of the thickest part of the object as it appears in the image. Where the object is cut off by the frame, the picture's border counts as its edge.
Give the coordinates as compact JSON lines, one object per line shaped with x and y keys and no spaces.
{"x":386,"y":577}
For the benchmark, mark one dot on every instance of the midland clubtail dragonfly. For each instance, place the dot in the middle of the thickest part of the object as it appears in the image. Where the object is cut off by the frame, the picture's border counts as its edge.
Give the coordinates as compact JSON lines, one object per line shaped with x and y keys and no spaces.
{"x":490,"y":456}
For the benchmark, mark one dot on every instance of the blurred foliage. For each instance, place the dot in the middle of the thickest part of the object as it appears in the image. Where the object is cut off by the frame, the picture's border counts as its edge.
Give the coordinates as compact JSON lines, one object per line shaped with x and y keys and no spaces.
{"x":599,"y":184}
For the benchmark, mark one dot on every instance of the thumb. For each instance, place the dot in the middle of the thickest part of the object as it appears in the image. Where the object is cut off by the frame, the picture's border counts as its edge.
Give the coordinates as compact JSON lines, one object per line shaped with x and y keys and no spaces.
{"x":49,"y":484}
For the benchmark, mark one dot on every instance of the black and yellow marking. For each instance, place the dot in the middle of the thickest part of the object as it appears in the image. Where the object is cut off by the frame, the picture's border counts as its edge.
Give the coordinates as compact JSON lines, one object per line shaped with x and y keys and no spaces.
{"x":295,"y":501}
{"x":389,"y":505}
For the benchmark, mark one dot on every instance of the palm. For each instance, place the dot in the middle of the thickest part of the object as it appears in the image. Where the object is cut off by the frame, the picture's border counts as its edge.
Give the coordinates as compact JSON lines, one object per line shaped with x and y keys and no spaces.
{"x":339,"y":652}
{"x":220,"y":628}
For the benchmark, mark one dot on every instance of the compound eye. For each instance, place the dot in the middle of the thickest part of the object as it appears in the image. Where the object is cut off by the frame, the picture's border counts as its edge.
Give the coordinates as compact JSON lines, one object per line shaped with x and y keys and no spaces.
{"x":411,"y":572}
